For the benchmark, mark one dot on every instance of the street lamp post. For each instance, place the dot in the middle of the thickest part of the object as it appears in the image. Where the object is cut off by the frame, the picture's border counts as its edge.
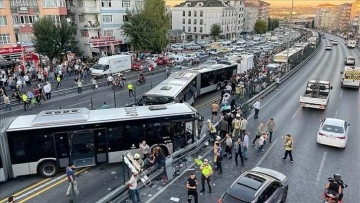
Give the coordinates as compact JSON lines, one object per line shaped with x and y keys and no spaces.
{"x":288,"y":43}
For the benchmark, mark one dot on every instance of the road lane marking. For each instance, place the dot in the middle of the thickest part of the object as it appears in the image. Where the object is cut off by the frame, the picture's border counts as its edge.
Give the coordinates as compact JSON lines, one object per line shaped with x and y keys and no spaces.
{"x":341,"y":93}
{"x":266,"y":153}
{"x":336,"y":113}
{"x":321,"y":168}
{"x":297,"y":110}
{"x":38,"y":190}
{"x":26,"y":189}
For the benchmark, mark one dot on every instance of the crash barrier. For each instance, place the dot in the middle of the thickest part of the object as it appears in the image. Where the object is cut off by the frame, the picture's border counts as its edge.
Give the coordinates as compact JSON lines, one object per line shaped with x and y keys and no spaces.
{"x":120,"y":194}
{"x":247,"y":105}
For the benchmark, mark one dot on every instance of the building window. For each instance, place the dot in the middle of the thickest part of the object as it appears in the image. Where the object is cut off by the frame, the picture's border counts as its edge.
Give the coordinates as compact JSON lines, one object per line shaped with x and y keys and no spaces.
{"x":139,"y":4}
{"x":106,"y":3}
{"x":125,"y":4}
{"x":15,"y":3}
{"x":195,"y":13}
{"x":84,"y":33}
{"x":183,"y":13}
{"x":18,"y":20}
{"x":53,"y":3}
{"x":200,"y":29}
{"x":194,"y":29}
{"x":3,"y":20}
{"x":5,"y":39}
{"x":201,"y":13}
{"x":184,"y":28}
{"x":81,"y":18}
{"x":2,"y":4}
{"x":195,"y":21}
{"x":108,"y":33}
{"x":79,"y":3}
{"x":201,"y":21}
{"x":183,"y":21}
{"x":55,"y":18}
{"x":189,"y":29}
{"x":189,"y":21}
{"x":189,"y":13}
{"x":107,"y":19}
{"x":125,"y":18}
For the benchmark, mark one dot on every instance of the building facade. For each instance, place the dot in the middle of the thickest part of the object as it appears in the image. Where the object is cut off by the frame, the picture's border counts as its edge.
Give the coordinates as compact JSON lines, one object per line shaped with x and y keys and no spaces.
{"x":98,"y":24}
{"x":16,"y":19}
{"x":326,"y":16}
{"x":251,"y":15}
{"x":355,"y":17}
{"x":343,"y":17}
{"x":195,"y":18}
{"x":263,"y":11}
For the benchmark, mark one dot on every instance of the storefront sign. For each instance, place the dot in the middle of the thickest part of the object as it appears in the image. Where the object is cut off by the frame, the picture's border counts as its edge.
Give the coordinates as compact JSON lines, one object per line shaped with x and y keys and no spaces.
{"x":14,"y":50}
{"x":102,"y":44}
{"x":23,"y":10}
{"x":101,"y":39}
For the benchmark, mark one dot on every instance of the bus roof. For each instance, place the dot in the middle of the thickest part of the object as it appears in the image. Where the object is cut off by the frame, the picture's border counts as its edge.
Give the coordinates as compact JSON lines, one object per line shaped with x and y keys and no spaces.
{"x":82,"y":116}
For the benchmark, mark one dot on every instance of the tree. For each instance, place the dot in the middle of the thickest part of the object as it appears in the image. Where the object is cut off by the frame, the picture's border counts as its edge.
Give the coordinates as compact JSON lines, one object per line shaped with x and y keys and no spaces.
{"x":272,"y":24}
{"x":52,"y":39}
{"x":148,"y":28}
{"x":260,"y":27}
{"x":215,"y":31}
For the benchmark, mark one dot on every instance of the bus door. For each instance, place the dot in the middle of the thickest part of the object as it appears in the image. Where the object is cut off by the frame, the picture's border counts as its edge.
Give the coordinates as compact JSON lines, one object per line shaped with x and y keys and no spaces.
{"x":100,"y":145}
{"x":82,"y":148}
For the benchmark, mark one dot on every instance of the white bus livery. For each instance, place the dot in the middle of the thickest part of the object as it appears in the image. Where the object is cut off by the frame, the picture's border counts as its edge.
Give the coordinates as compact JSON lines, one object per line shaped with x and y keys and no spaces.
{"x":44,"y":143}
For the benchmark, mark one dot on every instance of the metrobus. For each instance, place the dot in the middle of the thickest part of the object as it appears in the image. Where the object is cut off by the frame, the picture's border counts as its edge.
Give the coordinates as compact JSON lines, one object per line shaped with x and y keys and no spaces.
{"x":187,"y":85}
{"x":46,"y":142}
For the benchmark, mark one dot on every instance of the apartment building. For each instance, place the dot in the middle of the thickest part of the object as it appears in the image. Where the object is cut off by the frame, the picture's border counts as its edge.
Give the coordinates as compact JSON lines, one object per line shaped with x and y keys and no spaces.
{"x":99,"y":24}
{"x":251,"y":15}
{"x":325,"y":16}
{"x":16,"y":18}
{"x":355,"y":17}
{"x":195,"y":18}
{"x":343,"y":17}
{"x":263,"y":11}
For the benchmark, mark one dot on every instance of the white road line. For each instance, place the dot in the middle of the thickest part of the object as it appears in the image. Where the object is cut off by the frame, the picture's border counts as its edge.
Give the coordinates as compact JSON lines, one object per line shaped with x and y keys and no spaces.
{"x":266,"y":153}
{"x":321,"y":168}
{"x":297,"y":110}
{"x":336,"y":113}
{"x":88,"y":101}
{"x":341,"y":93}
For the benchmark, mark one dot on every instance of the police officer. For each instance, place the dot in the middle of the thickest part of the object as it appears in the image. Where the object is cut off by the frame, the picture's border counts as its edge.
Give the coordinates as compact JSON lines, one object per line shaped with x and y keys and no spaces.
{"x":191,"y":185}
{"x":206,"y":172}
{"x":130,"y":88}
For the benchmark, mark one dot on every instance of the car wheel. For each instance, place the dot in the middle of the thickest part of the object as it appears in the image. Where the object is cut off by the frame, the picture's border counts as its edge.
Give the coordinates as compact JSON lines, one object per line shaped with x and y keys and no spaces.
{"x":48,"y":169}
{"x":283,"y":199}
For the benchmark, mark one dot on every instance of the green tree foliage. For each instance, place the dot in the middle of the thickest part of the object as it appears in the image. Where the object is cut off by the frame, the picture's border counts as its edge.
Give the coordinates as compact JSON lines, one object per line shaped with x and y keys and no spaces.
{"x":215,"y":31}
{"x":148,"y":28}
{"x":53,"y":39}
{"x":260,"y":27}
{"x":272,"y":24}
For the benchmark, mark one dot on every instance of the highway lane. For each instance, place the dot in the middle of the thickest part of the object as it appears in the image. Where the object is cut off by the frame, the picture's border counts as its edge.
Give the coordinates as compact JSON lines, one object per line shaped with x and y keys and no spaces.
{"x":313,"y":163}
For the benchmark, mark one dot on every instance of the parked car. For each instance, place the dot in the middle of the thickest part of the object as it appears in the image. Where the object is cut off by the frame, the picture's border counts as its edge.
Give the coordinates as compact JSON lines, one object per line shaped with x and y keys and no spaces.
{"x":177,"y":68}
{"x":137,"y":66}
{"x":257,"y":185}
{"x":163,"y":60}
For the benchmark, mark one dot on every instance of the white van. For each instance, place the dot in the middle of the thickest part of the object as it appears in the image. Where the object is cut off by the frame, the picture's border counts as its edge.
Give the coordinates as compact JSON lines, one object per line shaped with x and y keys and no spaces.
{"x":350,"y":77}
{"x":177,"y":58}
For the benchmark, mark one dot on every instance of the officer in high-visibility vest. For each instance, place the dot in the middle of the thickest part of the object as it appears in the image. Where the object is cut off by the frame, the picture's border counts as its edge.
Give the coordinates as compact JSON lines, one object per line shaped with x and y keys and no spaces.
{"x":130,"y":88}
{"x":206,"y":172}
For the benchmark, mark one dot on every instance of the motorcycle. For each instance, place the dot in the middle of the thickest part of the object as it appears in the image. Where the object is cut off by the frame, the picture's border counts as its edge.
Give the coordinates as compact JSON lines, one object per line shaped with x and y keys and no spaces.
{"x":117,"y":83}
{"x":141,"y":81}
{"x":333,"y":196}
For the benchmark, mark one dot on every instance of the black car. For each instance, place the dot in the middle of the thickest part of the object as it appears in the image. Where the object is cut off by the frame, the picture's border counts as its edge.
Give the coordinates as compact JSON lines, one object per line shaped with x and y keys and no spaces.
{"x":259,"y":185}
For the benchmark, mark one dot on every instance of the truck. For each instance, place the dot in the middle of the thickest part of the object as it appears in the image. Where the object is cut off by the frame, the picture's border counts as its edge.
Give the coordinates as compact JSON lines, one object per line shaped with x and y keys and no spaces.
{"x":351,"y":43}
{"x":350,"y":77}
{"x":316,"y":95}
{"x":111,"y":65}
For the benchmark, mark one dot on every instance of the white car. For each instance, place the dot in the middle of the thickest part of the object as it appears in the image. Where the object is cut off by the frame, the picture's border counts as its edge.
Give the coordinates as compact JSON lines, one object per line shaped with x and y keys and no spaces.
{"x":333,"y":132}
{"x":328,"y":47}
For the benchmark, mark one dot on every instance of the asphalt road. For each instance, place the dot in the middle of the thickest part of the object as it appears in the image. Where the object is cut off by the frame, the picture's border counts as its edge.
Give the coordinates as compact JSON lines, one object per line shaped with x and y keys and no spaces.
{"x":313,"y":163}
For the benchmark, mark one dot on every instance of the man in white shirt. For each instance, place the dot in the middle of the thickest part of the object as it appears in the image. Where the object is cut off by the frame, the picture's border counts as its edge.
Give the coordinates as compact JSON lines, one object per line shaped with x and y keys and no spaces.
{"x":132,"y":184}
{"x":47,"y":90}
{"x":257,"y":107}
{"x":246,"y":145}
{"x":110,"y":79}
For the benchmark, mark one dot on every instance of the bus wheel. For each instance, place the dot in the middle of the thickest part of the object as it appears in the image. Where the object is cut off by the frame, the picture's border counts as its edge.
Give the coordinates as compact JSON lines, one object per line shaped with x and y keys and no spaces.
{"x":48,"y":169}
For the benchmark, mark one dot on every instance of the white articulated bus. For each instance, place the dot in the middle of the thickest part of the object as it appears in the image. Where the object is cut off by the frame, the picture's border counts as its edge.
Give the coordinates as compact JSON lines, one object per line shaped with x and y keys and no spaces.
{"x":44,"y":143}
{"x":187,"y":85}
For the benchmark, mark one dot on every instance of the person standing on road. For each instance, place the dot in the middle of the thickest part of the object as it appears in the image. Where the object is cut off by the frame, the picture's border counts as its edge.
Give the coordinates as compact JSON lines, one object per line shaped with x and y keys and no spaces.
{"x":277,"y":81}
{"x":238,"y":146}
{"x":236,"y":124}
{"x":109,"y":79}
{"x":259,"y":131}
{"x":206,"y":172}
{"x":105,"y":106}
{"x":132,"y":184}
{"x":288,"y":147}
{"x":25,"y":101}
{"x":219,"y":154}
{"x":261,"y":143}
{"x":214,"y":110}
{"x":228,"y":148}
{"x":79,"y":84}
{"x":211,"y":130}
{"x":271,"y":126}
{"x":47,"y":90}
{"x":70,"y":173}
{"x":223,"y":127}
{"x":246,"y":145}
{"x":58,"y":80}
{"x":6,"y":103}
{"x":243,"y":125}
{"x":257,"y":107}
{"x":94,"y":83}
{"x":130,"y":88}
{"x":191,"y":185}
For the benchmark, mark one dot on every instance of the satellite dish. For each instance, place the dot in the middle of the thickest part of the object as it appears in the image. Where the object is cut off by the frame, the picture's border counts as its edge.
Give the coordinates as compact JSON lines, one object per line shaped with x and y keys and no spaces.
{"x":68,"y":20}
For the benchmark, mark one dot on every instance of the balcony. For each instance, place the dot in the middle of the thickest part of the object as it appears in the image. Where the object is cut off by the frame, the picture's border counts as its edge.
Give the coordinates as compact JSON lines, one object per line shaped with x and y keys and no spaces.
{"x":89,"y":9}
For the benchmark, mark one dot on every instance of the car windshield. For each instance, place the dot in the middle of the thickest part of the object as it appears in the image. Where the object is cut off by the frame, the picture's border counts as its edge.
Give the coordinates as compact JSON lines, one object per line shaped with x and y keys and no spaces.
{"x":230,"y":199}
{"x":333,"y":129}
{"x":100,"y":67}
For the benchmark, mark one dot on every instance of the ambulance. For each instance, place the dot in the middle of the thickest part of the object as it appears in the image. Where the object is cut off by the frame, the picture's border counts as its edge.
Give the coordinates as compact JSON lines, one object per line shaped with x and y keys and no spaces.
{"x":351,"y":77}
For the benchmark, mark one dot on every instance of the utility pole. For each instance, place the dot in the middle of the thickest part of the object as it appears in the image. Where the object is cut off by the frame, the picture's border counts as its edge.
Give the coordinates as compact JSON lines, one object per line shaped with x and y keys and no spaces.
{"x":288,"y":43}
